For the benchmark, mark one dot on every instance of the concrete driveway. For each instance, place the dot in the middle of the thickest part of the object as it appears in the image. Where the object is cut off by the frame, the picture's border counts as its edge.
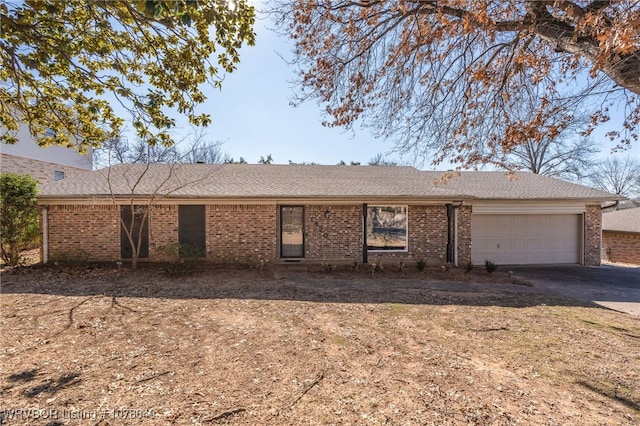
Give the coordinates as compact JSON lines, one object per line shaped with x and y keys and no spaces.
{"x":614,"y":287}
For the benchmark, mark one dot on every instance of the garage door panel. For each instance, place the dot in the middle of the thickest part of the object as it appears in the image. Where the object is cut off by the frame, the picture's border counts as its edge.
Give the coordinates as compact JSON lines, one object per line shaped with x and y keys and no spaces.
{"x":520,"y":221}
{"x":546,"y":220}
{"x":531,"y":245}
{"x":505,"y":222}
{"x":504,"y":233}
{"x":518,"y":245}
{"x":558,"y":244}
{"x":526,"y":238}
{"x":519,"y":233}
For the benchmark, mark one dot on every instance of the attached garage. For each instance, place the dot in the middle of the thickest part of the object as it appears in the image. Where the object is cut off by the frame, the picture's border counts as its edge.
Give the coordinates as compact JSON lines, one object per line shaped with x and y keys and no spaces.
{"x":516,"y":239}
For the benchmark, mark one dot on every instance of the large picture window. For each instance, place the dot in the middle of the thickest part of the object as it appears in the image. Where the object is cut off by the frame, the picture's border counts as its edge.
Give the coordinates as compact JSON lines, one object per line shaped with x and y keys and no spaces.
{"x":387,"y":228}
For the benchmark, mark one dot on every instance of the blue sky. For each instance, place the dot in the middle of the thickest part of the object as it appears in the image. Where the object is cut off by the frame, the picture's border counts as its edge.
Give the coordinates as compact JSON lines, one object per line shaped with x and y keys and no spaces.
{"x":252,"y":115}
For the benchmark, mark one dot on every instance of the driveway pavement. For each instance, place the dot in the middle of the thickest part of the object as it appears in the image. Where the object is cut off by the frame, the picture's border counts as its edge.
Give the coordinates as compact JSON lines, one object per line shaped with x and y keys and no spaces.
{"x":614,"y":287}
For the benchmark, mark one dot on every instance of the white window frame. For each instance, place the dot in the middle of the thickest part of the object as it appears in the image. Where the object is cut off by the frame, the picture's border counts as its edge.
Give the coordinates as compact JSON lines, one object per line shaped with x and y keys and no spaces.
{"x":406,"y":227}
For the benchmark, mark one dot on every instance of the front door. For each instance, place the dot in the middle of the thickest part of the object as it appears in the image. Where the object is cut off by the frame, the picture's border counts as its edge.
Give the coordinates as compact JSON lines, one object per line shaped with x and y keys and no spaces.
{"x":291,"y":231}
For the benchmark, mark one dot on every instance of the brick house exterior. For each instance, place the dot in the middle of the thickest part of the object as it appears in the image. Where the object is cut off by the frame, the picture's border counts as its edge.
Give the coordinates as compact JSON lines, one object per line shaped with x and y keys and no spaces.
{"x":621,"y":236}
{"x":42,"y":171}
{"x":336,"y":214}
{"x":45,"y":164}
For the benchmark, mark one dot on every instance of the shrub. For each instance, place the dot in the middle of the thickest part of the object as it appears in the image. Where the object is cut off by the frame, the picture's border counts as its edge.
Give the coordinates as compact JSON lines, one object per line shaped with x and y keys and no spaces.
{"x":328,"y":267}
{"x":185,"y":258}
{"x":490,"y":266}
{"x":19,"y":215}
{"x":75,"y":256}
{"x":421,"y":264}
{"x":468,"y":266}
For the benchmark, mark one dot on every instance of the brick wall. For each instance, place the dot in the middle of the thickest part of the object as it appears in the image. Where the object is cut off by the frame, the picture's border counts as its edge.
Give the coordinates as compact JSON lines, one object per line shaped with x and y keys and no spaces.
{"x":40,"y":170}
{"x":464,"y":235}
{"x":248,"y":233}
{"x":622,"y":247}
{"x":163,"y":231}
{"x":333,"y":233}
{"x":428,"y":233}
{"x":241,"y":233}
{"x":592,"y":233}
{"x":92,"y":229}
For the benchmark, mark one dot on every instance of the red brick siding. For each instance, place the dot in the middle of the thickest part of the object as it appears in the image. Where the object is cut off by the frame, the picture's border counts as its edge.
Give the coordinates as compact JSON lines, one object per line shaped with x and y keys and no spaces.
{"x":92,"y":229}
{"x":241,"y":233}
{"x":428,"y":233}
{"x":592,"y":232}
{"x":248,"y":233}
{"x":163,"y":231}
{"x":464,"y":235}
{"x":333,"y":232}
{"x":39,"y":170}
{"x":622,"y":247}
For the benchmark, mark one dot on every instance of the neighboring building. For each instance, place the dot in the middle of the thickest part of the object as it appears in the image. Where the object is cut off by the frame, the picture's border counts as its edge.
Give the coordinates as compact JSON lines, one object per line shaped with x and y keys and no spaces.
{"x":621,"y":236}
{"x":44,"y":164}
{"x":288,"y":213}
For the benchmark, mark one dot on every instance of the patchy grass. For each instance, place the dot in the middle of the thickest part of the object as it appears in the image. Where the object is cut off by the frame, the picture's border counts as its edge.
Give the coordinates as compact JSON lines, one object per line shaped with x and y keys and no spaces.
{"x":237,"y":346}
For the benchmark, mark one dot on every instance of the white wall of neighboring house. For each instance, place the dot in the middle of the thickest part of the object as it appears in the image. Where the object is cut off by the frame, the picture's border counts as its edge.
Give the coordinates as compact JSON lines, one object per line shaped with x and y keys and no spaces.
{"x":43,"y":163}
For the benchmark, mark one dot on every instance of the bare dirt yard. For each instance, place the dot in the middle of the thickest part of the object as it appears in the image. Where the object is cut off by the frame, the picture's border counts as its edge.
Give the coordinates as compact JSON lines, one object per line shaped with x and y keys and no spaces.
{"x":100,"y":346}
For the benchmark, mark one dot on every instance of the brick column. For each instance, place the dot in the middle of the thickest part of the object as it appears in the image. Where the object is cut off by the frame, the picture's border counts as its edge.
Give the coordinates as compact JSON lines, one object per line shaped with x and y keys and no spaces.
{"x":592,"y":235}
{"x":464,"y":235}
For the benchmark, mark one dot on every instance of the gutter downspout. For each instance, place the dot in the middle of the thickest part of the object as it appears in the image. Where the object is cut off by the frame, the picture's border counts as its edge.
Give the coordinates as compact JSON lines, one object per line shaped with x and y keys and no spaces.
{"x":45,"y":234}
{"x":365,"y":257}
{"x":449,"y":233}
{"x":455,"y":237}
{"x":611,"y":205}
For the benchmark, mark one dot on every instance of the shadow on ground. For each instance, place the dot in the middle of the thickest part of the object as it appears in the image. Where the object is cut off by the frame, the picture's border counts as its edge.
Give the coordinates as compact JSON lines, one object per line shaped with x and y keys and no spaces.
{"x":284,"y":283}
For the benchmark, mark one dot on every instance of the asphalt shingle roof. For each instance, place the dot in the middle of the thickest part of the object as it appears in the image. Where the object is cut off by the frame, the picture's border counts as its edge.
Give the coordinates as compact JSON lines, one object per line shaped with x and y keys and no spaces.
{"x":520,"y":186}
{"x":622,"y":220}
{"x":301,"y":181}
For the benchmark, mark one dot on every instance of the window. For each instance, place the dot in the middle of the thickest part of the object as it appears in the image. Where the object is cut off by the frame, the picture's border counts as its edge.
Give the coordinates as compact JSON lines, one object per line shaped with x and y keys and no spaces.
{"x":58,"y":174}
{"x":292,"y":231}
{"x":387,"y":228}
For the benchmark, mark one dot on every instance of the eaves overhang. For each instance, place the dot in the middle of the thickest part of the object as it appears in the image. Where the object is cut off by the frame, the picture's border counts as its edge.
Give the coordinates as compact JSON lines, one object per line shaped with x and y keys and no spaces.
{"x":282,"y":199}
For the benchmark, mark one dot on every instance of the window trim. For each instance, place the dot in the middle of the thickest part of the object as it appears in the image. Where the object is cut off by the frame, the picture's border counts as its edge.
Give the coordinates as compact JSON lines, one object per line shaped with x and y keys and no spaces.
{"x":406,"y":226}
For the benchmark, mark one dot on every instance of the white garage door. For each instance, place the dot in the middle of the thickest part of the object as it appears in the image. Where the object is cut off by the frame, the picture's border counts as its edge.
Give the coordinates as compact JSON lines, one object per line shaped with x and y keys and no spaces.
{"x":516,"y":239}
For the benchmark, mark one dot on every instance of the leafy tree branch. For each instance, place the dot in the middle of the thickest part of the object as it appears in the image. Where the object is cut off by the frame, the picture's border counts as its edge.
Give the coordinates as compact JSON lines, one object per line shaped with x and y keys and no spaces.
{"x":63,"y":64}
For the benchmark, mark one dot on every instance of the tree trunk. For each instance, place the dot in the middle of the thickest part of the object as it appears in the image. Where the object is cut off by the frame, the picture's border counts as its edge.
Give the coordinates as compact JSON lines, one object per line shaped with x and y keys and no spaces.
{"x":624,"y":70}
